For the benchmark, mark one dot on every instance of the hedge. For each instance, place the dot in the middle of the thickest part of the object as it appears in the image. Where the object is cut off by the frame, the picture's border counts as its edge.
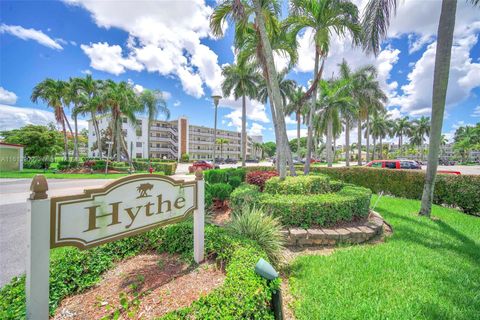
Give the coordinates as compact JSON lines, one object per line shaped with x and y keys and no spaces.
{"x":36,"y":163}
{"x":243,"y":295}
{"x":459,"y":191}
{"x":219,"y":191}
{"x":323,"y":210}
{"x":168,"y":168}
{"x":64,"y":165}
{"x":245,"y":194}
{"x":302,"y":185}
{"x":224,"y":175}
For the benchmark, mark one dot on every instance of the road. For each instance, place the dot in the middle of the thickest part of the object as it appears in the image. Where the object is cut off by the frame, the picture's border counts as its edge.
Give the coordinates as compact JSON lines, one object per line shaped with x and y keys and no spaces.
{"x":14,"y":192}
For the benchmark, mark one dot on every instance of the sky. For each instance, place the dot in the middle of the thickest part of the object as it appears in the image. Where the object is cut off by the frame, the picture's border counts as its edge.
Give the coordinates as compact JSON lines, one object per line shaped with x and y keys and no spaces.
{"x":167,"y":45}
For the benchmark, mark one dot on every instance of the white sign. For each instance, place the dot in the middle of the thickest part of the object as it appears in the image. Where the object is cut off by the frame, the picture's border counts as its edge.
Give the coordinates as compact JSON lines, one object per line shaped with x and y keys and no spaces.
{"x":125,"y":207}
{"x":122,"y":208}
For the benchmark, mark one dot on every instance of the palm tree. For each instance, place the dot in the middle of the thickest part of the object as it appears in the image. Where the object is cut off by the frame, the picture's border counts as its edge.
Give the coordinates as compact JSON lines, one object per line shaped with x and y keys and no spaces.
{"x":422,"y":129}
{"x":332,"y":98}
{"x":51,"y":92}
{"x":122,"y":103}
{"x":402,"y":127}
{"x":91,"y":89}
{"x":368,"y":96}
{"x":257,"y":146}
{"x":296,"y":106}
{"x":323,"y":17}
{"x":376,"y":22}
{"x":153,"y":103}
{"x":221,"y":142}
{"x":242,"y":80}
{"x":380,"y":129}
{"x":263,"y":11}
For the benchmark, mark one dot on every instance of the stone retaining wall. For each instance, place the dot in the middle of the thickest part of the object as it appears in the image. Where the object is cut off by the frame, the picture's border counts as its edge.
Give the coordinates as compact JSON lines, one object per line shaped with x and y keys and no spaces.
{"x":331,"y":236}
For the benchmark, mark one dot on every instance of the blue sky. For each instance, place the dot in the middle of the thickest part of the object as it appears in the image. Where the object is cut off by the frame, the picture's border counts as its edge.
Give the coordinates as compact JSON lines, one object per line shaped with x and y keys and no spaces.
{"x":166,"y":45}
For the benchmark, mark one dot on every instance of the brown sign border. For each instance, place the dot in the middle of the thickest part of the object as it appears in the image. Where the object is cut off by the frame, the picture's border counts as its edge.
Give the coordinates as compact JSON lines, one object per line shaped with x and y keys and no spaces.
{"x":90,"y":193}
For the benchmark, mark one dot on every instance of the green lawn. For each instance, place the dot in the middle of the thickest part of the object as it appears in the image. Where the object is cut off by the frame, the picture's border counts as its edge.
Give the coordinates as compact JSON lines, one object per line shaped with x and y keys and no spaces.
{"x":425,"y":270}
{"x":30,"y":173}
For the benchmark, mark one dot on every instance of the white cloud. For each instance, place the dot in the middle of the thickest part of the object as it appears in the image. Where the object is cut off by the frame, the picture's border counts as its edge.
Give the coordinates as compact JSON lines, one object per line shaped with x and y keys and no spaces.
{"x":394,"y":114}
{"x":464,"y":76}
{"x":290,"y":120}
{"x":292,"y":134}
{"x":164,"y":37}
{"x":7,"y":97}
{"x":105,"y":57}
{"x":16,"y":117}
{"x":86,"y":71}
{"x":30,"y":34}
{"x":476,"y":112}
{"x":177,"y":103}
{"x":256,"y":111}
{"x":256,"y":129}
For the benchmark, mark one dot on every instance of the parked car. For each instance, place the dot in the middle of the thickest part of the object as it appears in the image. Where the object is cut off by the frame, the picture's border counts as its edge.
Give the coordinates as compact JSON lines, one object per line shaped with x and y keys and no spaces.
{"x":231,"y":161}
{"x":252,"y":160}
{"x":220,"y":160}
{"x":203,"y":165}
{"x":394,"y":164}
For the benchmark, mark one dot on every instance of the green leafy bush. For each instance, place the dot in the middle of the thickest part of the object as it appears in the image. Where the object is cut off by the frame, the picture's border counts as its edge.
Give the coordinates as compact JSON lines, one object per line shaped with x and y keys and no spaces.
{"x":99,"y":164}
{"x":460,"y":191}
{"x":259,"y":178}
{"x":234,"y":182}
{"x":64,"y":165}
{"x":224,"y":175}
{"x":243,"y":295}
{"x":220,"y":191}
{"x":252,"y":223}
{"x":302,"y":185}
{"x":168,"y":168}
{"x":36,"y":163}
{"x":245,"y":194}
{"x":318,"y":209}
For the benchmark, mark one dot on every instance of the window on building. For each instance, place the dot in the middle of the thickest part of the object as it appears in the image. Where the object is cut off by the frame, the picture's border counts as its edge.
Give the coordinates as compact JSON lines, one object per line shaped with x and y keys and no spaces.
{"x":139,"y":132}
{"x":139,"y":144}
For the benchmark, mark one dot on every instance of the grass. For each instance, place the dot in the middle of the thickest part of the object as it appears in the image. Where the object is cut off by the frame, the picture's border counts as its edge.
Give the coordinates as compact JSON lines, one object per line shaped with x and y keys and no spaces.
{"x":49,"y":174}
{"x":428,"y":269}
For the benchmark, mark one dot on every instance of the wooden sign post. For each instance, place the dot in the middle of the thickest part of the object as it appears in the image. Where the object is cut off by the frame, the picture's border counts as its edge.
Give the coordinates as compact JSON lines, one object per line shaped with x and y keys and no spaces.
{"x":124,"y":207}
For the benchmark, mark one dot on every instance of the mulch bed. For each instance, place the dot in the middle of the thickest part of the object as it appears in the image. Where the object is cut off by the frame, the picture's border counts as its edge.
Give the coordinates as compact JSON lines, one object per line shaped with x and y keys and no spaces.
{"x":162,"y":282}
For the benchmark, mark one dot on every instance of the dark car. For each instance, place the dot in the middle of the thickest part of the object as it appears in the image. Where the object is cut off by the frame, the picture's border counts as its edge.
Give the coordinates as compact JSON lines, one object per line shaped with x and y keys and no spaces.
{"x":252,"y":161}
{"x":231,"y":161}
{"x":220,"y":160}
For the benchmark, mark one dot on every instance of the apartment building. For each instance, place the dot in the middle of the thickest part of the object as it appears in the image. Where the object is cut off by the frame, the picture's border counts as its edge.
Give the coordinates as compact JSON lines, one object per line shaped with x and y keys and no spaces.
{"x":171,"y":139}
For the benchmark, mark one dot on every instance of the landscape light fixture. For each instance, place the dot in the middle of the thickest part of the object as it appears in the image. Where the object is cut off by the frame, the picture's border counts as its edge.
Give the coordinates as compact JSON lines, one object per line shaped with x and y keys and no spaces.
{"x":216,"y":99}
{"x":266,"y":271}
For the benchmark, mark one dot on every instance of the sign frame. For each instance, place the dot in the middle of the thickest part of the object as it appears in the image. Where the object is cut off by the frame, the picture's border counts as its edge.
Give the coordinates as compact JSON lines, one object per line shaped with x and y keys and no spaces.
{"x":42,"y":226}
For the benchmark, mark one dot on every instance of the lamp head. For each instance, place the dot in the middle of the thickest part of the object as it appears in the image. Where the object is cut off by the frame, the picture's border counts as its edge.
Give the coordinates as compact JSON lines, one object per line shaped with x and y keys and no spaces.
{"x":216,"y":99}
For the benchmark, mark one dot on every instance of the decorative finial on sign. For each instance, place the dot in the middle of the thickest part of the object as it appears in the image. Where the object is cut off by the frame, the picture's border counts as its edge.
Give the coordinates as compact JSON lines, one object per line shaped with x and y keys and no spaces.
{"x":199,"y":174}
{"x":39,"y":187}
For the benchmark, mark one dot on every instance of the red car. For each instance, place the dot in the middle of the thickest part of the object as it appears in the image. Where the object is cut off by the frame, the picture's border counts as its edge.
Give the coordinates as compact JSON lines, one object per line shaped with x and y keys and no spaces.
{"x":203,"y":165}
{"x":403,"y":164}
{"x":394,"y":164}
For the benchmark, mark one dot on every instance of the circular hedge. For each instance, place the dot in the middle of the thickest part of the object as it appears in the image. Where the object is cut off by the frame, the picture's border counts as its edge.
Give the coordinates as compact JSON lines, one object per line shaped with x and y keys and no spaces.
{"x":306,"y":201}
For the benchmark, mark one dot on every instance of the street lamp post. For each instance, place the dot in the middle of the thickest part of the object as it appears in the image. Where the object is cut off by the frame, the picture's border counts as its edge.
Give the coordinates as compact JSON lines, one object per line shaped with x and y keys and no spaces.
{"x":216,"y":99}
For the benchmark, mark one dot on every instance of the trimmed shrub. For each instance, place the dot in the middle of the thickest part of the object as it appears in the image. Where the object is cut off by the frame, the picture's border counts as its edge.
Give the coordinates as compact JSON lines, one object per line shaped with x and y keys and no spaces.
{"x":318,"y":209}
{"x":168,"y":168}
{"x":36,"y":163}
{"x":224,"y":175}
{"x":459,"y":191}
{"x":259,"y":178}
{"x":220,"y":191}
{"x":99,"y":165}
{"x":234,"y":182}
{"x":245,"y":194}
{"x":302,"y":185}
{"x":64,"y":165}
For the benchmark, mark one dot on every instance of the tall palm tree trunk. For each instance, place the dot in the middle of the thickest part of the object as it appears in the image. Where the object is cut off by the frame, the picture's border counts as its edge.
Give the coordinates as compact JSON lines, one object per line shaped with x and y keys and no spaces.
{"x":329,"y":142}
{"x":118,"y":137}
{"x":400,"y":145}
{"x":312,"y":111}
{"x":275,"y":129}
{"x":75,"y":138}
{"x":97,"y":134}
{"x":298,"y":134}
{"x":374,"y":145}
{"x":347,"y":143}
{"x":359,"y":142}
{"x":65,"y":141}
{"x":272,"y":80}
{"x":367,"y":136}
{"x":244,"y":130}
{"x":148,"y":139}
{"x":381,"y":149}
